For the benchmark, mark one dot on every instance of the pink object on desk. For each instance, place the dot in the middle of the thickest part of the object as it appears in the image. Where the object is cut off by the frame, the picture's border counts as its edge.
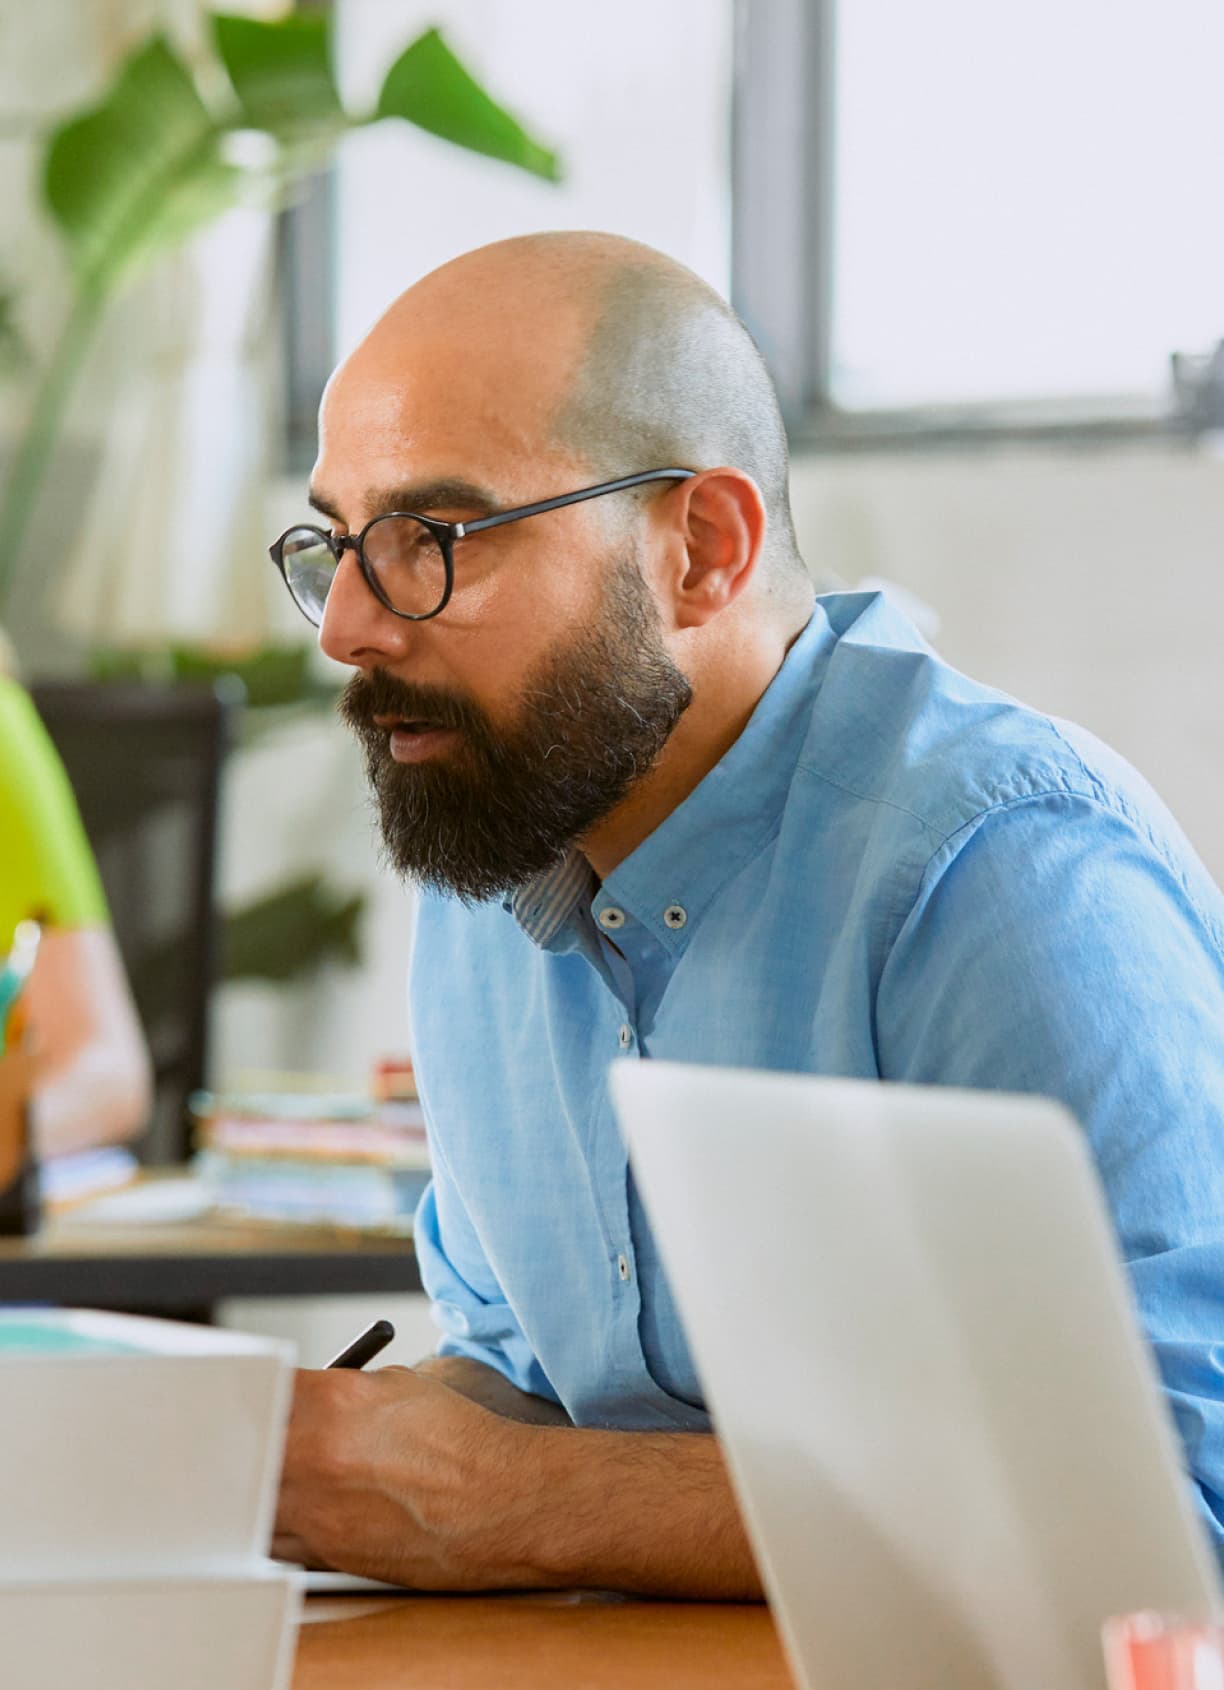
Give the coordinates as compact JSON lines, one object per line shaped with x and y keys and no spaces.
{"x":1160,"y":1652}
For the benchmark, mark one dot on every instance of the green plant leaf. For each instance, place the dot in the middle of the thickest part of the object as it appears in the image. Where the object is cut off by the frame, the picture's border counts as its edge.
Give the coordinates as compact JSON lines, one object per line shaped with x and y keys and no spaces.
{"x":428,"y":86}
{"x":281,"y":72}
{"x":292,"y":931}
{"x":138,"y":172}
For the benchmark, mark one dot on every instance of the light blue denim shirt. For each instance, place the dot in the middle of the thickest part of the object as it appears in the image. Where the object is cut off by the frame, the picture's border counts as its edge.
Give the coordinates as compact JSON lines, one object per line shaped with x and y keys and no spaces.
{"x":893,"y":872}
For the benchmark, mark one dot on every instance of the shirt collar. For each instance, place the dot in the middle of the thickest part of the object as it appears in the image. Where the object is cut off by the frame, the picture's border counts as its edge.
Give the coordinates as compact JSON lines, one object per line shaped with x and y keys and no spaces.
{"x":722,"y":823}
{"x":543,"y":906}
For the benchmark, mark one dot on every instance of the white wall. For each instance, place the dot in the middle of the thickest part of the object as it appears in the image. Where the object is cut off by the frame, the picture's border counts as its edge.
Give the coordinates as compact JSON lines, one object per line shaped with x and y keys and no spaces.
{"x":1089,"y":583}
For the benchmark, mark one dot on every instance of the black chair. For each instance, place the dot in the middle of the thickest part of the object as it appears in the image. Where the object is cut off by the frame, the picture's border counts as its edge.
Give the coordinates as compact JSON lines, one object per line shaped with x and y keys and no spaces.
{"x":145,"y":763}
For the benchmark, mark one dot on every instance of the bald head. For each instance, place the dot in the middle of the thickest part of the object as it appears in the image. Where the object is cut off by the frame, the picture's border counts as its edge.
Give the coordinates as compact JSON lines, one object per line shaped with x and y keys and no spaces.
{"x":669,"y":375}
{"x":608,"y":351}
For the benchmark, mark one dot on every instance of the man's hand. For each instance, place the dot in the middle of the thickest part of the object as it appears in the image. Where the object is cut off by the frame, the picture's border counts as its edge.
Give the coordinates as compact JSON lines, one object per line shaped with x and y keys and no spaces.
{"x":393,"y":1475}
{"x":406,"y":1475}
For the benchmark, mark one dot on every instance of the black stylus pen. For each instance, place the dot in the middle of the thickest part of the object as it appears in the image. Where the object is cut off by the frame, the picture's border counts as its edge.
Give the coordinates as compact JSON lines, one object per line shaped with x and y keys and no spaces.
{"x":365,"y":1346}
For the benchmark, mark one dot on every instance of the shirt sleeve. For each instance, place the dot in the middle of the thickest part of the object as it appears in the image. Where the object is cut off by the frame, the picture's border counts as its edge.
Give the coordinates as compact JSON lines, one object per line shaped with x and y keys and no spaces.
{"x":467,"y":1303}
{"x":47,"y":869}
{"x":1055,"y":948}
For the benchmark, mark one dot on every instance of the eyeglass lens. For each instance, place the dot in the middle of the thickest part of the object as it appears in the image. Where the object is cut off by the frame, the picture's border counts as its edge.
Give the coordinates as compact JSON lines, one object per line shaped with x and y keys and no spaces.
{"x":403,"y":555}
{"x":309,"y":567}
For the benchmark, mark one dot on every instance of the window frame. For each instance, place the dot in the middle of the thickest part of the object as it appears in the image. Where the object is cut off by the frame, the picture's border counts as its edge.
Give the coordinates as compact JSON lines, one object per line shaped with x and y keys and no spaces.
{"x":306,"y":270}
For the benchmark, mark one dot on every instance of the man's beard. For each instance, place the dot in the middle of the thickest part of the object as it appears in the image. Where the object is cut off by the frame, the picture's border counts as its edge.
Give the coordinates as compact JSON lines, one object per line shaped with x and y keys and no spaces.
{"x":507,"y":804}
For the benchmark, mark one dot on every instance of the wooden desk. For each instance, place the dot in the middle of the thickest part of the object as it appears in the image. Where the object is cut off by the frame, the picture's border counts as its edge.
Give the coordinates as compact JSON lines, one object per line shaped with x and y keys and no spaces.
{"x":190,"y":1265}
{"x":547,"y":1642}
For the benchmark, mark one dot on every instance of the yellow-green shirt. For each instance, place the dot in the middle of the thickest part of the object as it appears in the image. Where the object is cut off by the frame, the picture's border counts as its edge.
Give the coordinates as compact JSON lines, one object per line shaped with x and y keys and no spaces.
{"x":47,"y":869}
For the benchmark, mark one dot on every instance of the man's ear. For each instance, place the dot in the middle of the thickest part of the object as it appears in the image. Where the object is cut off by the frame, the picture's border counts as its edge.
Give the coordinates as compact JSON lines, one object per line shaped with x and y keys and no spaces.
{"x":722,"y":533}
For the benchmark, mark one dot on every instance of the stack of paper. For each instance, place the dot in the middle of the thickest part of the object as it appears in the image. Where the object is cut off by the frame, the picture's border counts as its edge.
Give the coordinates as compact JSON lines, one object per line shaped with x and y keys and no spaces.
{"x":343,"y":1161}
{"x":138,"y":1470}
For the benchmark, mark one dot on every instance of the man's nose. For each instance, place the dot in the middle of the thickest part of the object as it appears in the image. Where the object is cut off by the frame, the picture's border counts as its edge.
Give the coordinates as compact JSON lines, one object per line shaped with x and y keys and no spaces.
{"x":356,"y":629}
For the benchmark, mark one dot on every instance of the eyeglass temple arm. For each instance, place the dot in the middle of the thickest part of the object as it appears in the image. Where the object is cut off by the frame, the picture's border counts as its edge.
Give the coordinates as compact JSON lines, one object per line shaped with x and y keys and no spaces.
{"x":462,"y":528}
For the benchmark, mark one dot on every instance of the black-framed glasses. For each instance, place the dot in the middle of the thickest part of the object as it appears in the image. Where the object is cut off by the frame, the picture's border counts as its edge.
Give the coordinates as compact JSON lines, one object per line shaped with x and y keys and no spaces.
{"x":407,"y":559}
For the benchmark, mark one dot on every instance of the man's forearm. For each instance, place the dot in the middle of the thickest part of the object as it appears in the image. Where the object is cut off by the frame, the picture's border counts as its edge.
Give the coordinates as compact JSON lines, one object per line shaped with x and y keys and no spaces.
{"x":649,"y":1512}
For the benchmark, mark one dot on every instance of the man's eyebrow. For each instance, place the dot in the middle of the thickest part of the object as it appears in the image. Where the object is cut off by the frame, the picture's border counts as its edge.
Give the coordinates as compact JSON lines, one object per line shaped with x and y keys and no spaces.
{"x":320,"y":502}
{"x":440,"y":494}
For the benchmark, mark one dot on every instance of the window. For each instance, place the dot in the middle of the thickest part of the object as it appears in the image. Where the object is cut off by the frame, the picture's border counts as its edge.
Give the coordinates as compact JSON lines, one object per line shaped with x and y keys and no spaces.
{"x":979,"y":212}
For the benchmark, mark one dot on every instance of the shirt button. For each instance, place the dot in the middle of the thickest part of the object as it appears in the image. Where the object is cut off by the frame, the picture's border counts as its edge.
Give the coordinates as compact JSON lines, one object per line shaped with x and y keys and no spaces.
{"x":625,"y":1035}
{"x":611,"y":918}
{"x":675,"y":915}
{"x":622,"y":1266}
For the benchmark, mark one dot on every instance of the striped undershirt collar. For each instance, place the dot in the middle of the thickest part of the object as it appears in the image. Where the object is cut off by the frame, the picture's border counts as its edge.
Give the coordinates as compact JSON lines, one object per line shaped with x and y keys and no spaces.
{"x":544,"y":904}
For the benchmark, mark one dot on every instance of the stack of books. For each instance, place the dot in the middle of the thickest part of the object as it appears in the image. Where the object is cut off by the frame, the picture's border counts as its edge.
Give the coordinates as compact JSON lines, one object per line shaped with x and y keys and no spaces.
{"x":138,"y":1469}
{"x":338,"y":1160}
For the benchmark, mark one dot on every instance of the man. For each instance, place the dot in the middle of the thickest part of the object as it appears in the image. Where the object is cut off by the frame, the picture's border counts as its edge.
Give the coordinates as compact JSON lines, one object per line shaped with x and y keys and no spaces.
{"x":662,"y":804}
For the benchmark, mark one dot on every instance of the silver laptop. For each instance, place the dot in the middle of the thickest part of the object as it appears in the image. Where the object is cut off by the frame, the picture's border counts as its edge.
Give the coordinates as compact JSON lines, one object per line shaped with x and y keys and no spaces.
{"x":919,"y":1348}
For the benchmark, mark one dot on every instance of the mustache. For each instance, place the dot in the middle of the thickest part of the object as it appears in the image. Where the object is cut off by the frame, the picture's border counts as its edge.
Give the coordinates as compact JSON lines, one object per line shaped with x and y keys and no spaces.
{"x":381,"y":694}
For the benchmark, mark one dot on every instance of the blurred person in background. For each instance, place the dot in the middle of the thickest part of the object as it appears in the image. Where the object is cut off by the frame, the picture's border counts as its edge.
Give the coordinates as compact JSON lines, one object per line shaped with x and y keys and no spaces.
{"x":92,"y":1078}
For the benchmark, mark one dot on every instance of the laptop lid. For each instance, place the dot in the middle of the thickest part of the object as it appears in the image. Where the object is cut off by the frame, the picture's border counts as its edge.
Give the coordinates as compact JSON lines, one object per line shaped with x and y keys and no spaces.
{"x":919,"y":1348}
